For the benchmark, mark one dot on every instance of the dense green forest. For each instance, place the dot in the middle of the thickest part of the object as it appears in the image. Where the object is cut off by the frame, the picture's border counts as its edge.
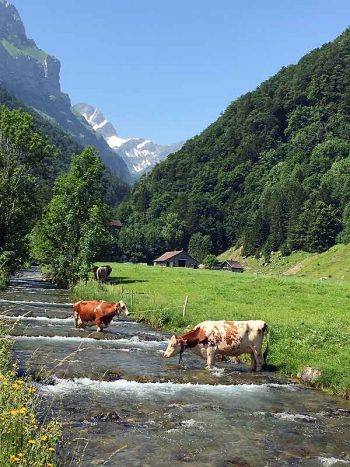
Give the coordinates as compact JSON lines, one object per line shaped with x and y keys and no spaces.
{"x":272,"y":173}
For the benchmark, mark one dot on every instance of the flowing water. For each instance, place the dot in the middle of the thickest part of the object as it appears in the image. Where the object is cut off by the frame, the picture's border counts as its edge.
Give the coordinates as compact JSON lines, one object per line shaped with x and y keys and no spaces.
{"x":121,"y":403}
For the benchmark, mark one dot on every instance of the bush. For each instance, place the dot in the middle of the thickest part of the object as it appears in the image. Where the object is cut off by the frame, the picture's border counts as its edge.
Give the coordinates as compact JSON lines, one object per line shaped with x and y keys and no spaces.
{"x":4,"y":280}
{"x":210,"y":261}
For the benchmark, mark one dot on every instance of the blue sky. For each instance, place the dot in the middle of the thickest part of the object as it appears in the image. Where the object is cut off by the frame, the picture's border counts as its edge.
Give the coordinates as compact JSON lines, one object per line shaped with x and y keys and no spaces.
{"x":165,"y":69}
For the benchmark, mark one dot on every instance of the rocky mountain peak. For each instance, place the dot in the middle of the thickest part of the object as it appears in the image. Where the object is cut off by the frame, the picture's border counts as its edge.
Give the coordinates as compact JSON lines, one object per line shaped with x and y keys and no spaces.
{"x":96,"y":119}
{"x":10,"y":23}
{"x":27,"y":71}
{"x":140,"y":154}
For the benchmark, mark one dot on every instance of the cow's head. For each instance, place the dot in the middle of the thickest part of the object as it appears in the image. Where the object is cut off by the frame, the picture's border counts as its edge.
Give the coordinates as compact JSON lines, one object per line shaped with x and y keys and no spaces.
{"x":174,"y":347}
{"x":121,"y":308}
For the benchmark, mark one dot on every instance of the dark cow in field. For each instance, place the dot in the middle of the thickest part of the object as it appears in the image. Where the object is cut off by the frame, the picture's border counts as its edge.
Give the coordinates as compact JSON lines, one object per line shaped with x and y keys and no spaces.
{"x":101,"y":273}
{"x":226,"y":338}
{"x":97,"y":313}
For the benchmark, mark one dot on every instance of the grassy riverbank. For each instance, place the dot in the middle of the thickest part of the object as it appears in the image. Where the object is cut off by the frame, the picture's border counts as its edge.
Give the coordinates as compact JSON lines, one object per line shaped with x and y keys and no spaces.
{"x":24,"y":441}
{"x":309,"y":318}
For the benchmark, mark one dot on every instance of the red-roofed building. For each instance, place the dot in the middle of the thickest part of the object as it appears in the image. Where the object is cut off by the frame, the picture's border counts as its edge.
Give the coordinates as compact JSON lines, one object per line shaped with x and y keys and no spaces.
{"x":176,"y":259}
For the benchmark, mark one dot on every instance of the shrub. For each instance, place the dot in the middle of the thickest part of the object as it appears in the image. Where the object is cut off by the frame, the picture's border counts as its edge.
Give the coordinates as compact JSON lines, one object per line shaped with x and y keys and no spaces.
{"x":210,"y":261}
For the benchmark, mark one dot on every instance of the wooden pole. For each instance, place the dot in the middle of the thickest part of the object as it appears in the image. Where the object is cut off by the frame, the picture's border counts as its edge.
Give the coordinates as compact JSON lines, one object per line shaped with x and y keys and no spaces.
{"x":184,"y":306}
{"x":132,"y":298}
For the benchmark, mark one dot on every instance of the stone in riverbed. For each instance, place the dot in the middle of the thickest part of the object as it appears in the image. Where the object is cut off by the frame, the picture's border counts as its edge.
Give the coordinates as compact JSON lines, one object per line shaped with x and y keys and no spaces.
{"x":309,"y":375}
{"x":106,"y":417}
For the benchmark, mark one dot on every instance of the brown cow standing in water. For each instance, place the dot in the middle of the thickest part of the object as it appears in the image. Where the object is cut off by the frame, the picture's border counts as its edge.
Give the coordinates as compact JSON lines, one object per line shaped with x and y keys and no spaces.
{"x":227,"y":338}
{"x":98,"y":313}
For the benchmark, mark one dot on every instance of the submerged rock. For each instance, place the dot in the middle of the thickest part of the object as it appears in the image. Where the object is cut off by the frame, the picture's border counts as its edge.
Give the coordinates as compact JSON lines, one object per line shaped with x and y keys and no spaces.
{"x":105,"y":417}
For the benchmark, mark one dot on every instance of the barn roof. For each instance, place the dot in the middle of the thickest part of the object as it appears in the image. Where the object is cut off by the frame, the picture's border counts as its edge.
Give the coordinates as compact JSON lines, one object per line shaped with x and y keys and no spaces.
{"x":168,"y":255}
{"x":233,"y":264}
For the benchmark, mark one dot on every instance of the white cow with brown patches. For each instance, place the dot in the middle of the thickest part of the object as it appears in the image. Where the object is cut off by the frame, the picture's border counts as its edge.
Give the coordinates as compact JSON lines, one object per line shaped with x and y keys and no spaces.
{"x":227,"y":338}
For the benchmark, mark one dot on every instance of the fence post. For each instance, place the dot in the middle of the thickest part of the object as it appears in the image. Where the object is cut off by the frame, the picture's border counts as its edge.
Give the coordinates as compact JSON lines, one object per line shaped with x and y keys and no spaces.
{"x":122,"y":292}
{"x":184,"y":306}
{"x":132,"y":298}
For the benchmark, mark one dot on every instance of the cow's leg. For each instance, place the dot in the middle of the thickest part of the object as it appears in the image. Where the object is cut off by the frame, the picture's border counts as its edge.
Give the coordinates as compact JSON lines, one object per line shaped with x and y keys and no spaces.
{"x":258,"y":359}
{"x":211,"y":351}
{"x":98,"y":323}
{"x":75,"y":319}
{"x":252,"y":361}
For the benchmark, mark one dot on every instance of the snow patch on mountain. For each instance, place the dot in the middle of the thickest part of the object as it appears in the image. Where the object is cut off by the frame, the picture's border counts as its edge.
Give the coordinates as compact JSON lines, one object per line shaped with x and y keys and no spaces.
{"x":140,"y":154}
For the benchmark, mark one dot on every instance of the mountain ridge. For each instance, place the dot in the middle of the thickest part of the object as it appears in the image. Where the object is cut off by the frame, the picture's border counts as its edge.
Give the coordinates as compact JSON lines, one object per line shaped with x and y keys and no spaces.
{"x":140,"y":154}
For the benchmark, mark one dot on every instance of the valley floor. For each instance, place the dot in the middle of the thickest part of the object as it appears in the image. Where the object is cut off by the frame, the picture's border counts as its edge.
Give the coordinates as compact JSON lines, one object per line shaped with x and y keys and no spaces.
{"x":309,"y":318}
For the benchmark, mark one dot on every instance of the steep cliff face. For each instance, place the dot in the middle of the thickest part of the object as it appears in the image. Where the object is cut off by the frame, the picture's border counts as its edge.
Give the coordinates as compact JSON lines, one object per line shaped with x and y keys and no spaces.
{"x":139,"y":154}
{"x":27,"y":71}
{"x":33,"y":76}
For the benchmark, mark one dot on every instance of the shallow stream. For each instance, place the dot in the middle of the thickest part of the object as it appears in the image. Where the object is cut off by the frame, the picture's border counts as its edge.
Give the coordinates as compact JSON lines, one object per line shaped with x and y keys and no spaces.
{"x":122,"y":404}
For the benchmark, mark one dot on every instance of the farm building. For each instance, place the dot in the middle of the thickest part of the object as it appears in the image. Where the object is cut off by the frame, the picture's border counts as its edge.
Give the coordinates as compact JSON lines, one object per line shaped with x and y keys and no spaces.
{"x":177,"y":259}
{"x":232,"y":265}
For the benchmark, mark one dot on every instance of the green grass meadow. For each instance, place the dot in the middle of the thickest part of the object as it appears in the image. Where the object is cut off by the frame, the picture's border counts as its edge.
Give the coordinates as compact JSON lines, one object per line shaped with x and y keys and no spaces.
{"x":333,"y":264}
{"x":309,"y":319}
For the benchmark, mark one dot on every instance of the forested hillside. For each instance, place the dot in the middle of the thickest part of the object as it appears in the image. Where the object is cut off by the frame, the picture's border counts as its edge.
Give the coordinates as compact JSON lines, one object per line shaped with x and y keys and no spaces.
{"x":65,"y":144}
{"x":273,"y":172}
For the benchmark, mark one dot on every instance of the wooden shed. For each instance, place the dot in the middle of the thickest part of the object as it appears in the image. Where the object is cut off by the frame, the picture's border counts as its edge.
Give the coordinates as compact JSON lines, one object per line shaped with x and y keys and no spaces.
{"x":176,"y":259}
{"x":232,"y":265}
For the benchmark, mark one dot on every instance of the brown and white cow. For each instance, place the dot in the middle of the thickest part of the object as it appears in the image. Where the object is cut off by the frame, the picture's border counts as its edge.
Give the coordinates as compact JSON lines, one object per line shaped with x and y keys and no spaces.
{"x":228,"y":338}
{"x":99,"y":313}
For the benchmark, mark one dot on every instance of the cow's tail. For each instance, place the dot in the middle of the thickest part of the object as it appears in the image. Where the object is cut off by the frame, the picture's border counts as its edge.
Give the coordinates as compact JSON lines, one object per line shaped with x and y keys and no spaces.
{"x":266,"y":330}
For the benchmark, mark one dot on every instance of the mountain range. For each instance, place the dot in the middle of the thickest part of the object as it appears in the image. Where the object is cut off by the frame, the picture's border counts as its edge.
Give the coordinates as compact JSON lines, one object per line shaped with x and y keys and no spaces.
{"x":33,"y":76}
{"x":140,"y":154}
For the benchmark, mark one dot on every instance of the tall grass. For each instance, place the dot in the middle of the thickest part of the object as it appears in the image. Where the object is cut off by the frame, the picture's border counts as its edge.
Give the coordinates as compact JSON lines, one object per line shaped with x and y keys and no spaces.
{"x":309,"y":319}
{"x":24,"y":440}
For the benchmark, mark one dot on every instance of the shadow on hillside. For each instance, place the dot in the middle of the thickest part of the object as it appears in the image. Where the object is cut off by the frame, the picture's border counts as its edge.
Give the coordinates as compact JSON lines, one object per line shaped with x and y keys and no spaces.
{"x":124,"y":280}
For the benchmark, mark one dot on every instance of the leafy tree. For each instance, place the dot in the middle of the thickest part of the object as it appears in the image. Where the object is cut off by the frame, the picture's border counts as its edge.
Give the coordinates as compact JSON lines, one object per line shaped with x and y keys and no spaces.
{"x":210,"y":261}
{"x":132,"y":244}
{"x":344,"y":236}
{"x":26,"y":172}
{"x":323,"y":227}
{"x":200,"y":246}
{"x":172,"y":231}
{"x":73,"y":228}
